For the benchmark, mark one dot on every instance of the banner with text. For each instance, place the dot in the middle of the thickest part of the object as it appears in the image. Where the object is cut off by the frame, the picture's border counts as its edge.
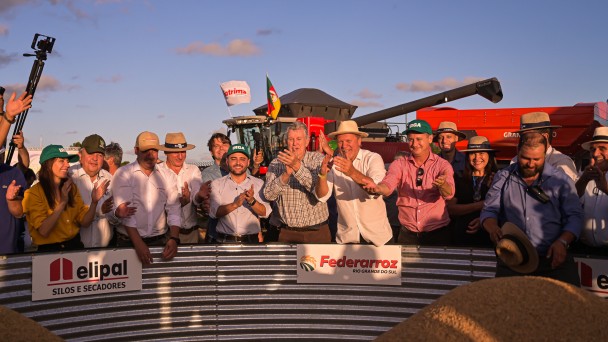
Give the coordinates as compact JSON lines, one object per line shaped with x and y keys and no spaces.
{"x":594,"y":275}
{"x":349,"y":264}
{"x":236,"y":92}
{"x":85,"y":273}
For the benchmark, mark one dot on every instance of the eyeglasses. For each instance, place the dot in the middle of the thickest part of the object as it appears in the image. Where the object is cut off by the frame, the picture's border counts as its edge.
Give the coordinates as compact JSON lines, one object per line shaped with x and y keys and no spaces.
{"x":419,"y":175}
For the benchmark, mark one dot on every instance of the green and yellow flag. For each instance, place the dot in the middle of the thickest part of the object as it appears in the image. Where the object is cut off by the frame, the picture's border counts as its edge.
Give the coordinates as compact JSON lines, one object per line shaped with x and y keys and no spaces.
{"x":274,"y":103}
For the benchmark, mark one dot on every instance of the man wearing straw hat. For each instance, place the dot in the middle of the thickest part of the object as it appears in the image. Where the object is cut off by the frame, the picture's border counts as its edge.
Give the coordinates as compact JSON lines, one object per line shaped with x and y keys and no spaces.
{"x":542,"y":202}
{"x":157,"y":204}
{"x":539,"y":122}
{"x":446,"y":136}
{"x":360,"y":215}
{"x":186,"y":181}
{"x":592,"y":187}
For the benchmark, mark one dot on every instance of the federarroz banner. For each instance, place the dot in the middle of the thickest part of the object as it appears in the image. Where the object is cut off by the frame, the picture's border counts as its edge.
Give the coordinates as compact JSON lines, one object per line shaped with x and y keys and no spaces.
{"x":85,"y":273}
{"x":349,"y":264}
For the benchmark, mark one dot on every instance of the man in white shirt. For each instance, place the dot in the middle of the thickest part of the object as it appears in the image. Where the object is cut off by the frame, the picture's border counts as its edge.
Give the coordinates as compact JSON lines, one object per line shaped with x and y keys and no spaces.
{"x":592,"y":188}
{"x":85,"y":175}
{"x":142,"y":184}
{"x":360,"y":214}
{"x":186,"y":181}
{"x":236,"y":200}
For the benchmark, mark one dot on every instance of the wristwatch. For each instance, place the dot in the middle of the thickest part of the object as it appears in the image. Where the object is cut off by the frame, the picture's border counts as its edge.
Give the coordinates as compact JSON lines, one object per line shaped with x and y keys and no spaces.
{"x":564,"y":242}
{"x":252,"y":203}
{"x":177,"y":240}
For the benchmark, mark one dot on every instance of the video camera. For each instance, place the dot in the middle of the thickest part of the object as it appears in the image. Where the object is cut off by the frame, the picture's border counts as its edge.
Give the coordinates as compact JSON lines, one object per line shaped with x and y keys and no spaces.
{"x":45,"y":44}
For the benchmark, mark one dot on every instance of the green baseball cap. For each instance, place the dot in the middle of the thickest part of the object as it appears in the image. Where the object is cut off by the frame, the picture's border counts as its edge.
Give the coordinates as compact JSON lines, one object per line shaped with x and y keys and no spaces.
{"x":57,"y":151}
{"x":94,"y":144}
{"x":240,"y":148}
{"x":418,"y":126}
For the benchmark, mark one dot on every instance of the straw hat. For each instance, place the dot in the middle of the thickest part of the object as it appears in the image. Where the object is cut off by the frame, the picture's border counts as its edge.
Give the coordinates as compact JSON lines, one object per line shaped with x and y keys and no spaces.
{"x":176,"y":142}
{"x":449,"y":127}
{"x":147,"y":141}
{"x":516,"y":250}
{"x":346,"y":127}
{"x":534,"y":120}
{"x":599,"y":135}
{"x":478,"y":144}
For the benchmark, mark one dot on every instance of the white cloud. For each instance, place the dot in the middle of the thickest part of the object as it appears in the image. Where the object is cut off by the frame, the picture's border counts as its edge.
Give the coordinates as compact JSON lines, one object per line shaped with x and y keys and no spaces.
{"x":237,"y":47}
{"x":113,"y":79}
{"x":368,"y":94}
{"x":362,"y":104}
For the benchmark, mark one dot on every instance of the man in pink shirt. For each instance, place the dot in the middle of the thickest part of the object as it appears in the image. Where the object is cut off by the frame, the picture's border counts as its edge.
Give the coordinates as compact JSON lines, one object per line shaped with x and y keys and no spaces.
{"x":424,"y":181}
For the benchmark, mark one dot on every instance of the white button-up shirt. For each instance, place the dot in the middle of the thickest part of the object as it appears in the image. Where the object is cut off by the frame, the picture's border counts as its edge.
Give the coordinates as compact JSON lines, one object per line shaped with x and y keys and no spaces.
{"x":157,"y":204}
{"x":243,"y":220}
{"x":190,"y":174}
{"x":595,"y":205}
{"x":100,"y":232}
{"x":358,"y":211}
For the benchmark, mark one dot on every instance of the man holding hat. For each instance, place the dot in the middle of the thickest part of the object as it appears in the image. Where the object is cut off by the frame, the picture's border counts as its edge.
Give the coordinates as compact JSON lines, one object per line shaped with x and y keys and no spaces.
{"x":143,"y":185}
{"x":236,"y":200}
{"x":360,"y":214}
{"x":424,"y":182}
{"x":542,"y":201}
{"x":86,"y":175}
{"x":446,"y":136}
{"x":592,"y":188}
{"x":539,"y":122}
{"x":186,"y":181}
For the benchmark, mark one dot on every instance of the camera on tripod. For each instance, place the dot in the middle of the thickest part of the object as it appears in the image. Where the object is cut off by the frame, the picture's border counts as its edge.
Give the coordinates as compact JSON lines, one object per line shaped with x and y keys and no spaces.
{"x":43,"y":43}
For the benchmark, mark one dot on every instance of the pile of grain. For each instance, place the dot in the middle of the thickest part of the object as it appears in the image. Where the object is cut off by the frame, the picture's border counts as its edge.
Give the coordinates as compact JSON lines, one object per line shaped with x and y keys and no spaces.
{"x":15,"y":327}
{"x":508,"y":309}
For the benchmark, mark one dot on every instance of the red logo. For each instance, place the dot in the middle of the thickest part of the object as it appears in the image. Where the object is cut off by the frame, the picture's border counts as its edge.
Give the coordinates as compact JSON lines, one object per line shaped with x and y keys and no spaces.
{"x":61,"y":268}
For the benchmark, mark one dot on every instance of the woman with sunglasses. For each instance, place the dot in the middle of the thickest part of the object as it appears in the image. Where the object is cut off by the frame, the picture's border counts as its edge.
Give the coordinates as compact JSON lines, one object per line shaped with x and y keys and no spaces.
{"x":471,"y":188}
{"x":53,"y":207}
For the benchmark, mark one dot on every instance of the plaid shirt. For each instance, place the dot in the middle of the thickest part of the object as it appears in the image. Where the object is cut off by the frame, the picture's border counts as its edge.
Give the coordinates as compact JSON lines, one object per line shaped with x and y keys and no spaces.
{"x":296,"y":202}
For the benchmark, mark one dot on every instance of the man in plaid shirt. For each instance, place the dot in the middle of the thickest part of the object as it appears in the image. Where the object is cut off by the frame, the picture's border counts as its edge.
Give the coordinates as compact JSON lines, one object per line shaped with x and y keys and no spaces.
{"x":290,"y":182}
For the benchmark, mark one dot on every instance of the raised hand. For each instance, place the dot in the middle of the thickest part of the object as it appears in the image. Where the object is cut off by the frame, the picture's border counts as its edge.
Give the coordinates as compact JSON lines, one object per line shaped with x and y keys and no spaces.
{"x":16,"y":106}
{"x":258,"y":158}
{"x":99,"y":189}
{"x":344,"y":165}
{"x":324,"y":145}
{"x":249,"y":194}
{"x":124,"y":210}
{"x":185,"y":197}
{"x":65,"y":191}
{"x":12,"y":192}
{"x":326,"y":164}
{"x":107,"y":205}
{"x":240,"y":199}
{"x":18,"y":139}
{"x":290,"y":160}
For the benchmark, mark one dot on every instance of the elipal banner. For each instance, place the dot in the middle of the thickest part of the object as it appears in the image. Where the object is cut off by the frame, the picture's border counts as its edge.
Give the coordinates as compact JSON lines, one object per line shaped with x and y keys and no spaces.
{"x":76,"y":274}
{"x":349,"y":264}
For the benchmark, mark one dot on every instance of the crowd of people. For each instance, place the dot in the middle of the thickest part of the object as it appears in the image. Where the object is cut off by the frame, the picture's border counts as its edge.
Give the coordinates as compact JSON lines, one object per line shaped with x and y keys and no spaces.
{"x":453,"y":198}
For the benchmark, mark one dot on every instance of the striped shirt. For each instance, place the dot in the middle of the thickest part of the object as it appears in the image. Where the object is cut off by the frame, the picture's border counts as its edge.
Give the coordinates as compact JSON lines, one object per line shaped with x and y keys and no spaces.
{"x":296,"y":202}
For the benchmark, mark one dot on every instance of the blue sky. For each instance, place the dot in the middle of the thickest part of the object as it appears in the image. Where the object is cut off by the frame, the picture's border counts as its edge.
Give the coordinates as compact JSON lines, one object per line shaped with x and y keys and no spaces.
{"x":122,"y":67}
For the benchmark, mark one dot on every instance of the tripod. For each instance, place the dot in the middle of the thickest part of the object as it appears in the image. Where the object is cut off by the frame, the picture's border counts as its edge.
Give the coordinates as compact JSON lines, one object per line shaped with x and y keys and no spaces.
{"x":41,"y":47}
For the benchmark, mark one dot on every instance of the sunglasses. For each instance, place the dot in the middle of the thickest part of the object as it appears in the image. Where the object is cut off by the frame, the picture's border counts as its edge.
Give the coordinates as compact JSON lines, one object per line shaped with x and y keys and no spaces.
{"x":419,"y":175}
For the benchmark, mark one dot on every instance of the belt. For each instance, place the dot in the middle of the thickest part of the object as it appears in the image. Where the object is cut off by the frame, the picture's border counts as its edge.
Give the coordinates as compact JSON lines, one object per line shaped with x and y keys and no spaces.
{"x":188,"y":230}
{"x":147,"y":240}
{"x":237,"y":238}
{"x":312,"y":228}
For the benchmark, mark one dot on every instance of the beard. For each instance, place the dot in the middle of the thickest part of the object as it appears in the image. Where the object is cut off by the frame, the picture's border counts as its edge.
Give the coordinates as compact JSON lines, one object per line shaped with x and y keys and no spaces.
{"x":527,"y":173}
{"x":238,"y":172}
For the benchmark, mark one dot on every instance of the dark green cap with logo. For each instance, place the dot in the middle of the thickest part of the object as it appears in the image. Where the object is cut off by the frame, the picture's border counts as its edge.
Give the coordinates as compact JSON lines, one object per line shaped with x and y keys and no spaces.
{"x":57,"y":151}
{"x":418,"y":126}
{"x":94,"y":144}
{"x":240,"y":148}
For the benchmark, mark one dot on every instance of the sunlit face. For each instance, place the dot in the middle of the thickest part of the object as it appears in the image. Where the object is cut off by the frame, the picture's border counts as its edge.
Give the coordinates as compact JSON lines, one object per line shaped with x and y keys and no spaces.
{"x":447,"y":141}
{"x":349,"y":145}
{"x":91,"y":162}
{"x":531,"y":160}
{"x":176,"y":159}
{"x":420,"y":143}
{"x":297,"y":141}
{"x":219,"y":149}
{"x":147,"y":159}
{"x":60,"y":168}
{"x":599,"y":152}
{"x":478,"y":160}
{"x":237,"y":163}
